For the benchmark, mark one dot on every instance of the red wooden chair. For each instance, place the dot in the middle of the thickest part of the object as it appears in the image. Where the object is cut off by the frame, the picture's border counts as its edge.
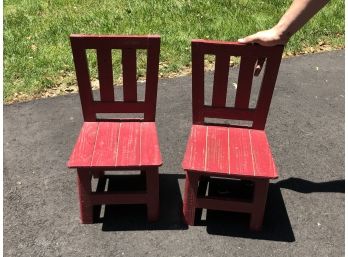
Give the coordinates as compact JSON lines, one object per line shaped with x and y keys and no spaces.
{"x":116,"y":144}
{"x":230,"y":152}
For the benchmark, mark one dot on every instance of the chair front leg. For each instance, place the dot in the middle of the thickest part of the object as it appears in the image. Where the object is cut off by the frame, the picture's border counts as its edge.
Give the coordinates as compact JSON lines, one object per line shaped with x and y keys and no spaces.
{"x":98,"y":174}
{"x":190,"y":197}
{"x":84,"y":191}
{"x":201,"y":191}
{"x":152,"y":194}
{"x":259,"y":202}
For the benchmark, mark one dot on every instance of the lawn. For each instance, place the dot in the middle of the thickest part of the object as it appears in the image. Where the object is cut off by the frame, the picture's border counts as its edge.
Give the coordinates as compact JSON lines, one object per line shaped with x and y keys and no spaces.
{"x":37,"y":54}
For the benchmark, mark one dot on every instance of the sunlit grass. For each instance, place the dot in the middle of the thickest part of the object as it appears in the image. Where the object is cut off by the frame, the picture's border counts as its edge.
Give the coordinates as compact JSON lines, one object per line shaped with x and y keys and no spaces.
{"x":37,"y":52}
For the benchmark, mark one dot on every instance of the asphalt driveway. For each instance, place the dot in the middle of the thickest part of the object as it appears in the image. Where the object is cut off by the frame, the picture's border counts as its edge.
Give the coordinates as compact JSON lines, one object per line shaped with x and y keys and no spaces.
{"x":305,"y":208}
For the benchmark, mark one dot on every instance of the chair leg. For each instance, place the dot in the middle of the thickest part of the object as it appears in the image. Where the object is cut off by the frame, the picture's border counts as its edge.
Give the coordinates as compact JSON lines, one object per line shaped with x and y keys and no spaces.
{"x":259,"y":202}
{"x":152,"y":188}
{"x":98,"y":174}
{"x":84,"y":190}
{"x":100,"y":188}
{"x":190,"y":197}
{"x":201,"y":191}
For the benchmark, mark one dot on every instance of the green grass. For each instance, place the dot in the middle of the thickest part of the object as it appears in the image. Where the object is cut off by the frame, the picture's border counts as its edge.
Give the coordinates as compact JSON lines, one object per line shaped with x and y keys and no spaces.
{"x":37,"y":53}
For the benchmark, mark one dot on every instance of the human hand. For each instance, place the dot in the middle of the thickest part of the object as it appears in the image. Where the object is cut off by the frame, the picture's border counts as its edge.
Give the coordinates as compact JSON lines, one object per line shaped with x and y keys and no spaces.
{"x":270,"y":37}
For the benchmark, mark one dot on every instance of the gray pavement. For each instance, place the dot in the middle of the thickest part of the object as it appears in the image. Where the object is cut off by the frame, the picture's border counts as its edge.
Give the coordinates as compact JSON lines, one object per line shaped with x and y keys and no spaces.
{"x":305,"y":208}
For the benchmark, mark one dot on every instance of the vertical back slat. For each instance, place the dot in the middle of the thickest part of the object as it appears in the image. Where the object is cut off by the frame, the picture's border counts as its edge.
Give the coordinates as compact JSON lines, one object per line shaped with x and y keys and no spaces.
{"x":222,"y":65}
{"x":83,"y":80}
{"x":104,"y":44}
{"x":153,"y":54}
{"x":129,"y":67}
{"x":266,"y":90}
{"x":105,"y":74}
{"x":245,"y":79}
{"x":197,"y":83}
{"x":249,"y":54}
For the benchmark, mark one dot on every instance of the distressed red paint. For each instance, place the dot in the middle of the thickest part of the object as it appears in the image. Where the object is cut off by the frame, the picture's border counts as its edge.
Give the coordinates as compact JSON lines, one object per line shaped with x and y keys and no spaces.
{"x":230,"y":151}
{"x":116,"y":144}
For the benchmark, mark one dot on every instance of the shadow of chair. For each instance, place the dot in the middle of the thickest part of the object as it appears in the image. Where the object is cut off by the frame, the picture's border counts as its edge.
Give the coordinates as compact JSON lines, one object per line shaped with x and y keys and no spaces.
{"x":133,"y":217}
{"x":277,"y":226}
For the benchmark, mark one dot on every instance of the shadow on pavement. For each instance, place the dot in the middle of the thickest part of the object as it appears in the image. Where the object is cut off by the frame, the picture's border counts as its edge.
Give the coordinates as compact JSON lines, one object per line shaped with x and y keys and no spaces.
{"x":276,"y":226}
{"x":305,"y":186}
{"x":134,"y":217}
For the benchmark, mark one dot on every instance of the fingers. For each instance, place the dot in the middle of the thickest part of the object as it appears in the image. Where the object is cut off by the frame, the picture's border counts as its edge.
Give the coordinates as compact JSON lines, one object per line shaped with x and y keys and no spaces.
{"x":249,"y":39}
{"x":265,"y":38}
{"x":258,"y":66}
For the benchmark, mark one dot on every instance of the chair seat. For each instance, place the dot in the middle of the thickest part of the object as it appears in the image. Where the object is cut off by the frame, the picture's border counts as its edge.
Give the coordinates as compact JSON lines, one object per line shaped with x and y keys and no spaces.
{"x":229,"y":151}
{"x":116,"y":145}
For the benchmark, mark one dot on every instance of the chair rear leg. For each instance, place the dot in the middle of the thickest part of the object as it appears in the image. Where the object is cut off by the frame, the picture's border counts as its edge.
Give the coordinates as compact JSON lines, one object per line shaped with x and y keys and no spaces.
{"x":259,"y":202}
{"x":152,"y":188}
{"x":190,"y":197}
{"x":84,"y":191}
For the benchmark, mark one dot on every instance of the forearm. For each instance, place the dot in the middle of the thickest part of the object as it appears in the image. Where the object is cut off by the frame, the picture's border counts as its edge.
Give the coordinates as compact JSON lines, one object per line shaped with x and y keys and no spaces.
{"x":297,"y":15}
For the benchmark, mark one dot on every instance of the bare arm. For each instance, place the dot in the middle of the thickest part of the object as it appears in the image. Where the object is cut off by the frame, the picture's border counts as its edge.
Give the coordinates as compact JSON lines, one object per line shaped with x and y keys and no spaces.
{"x":294,"y":18}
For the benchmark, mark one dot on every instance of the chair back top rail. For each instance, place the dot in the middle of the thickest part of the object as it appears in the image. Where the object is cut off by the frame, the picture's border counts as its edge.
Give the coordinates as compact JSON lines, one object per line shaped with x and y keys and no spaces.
{"x":128,"y":44}
{"x":249,"y":54}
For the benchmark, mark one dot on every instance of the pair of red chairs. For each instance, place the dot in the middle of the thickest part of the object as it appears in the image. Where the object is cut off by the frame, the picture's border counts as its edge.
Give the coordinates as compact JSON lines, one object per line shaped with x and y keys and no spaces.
{"x":235,"y":152}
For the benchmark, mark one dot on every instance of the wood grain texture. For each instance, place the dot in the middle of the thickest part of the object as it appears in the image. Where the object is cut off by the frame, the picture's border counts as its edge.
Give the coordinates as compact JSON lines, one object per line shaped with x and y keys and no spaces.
{"x":217,"y":150}
{"x":105,"y":143}
{"x":116,"y":145}
{"x":241,"y":161}
{"x":128,"y":148}
{"x":264,"y":165}
{"x":83,"y":151}
{"x":149,"y":148}
{"x":195,"y":151}
{"x":229,"y":151}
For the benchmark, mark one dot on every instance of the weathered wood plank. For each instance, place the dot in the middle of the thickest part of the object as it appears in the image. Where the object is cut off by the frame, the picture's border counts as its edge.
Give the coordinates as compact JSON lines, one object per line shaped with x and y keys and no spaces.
{"x":195,"y":152}
{"x":264,"y":165}
{"x":150,"y":154}
{"x":128,"y":150}
{"x":104,"y":153}
{"x":217,"y":151}
{"x":241,"y":160}
{"x":83,"y":150}
{"x":197,"y":84}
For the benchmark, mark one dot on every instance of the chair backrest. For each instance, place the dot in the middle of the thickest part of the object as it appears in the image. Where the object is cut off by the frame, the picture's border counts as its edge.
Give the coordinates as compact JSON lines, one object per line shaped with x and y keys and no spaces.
{"x":103,"y":44}
{"x":249,"y":54}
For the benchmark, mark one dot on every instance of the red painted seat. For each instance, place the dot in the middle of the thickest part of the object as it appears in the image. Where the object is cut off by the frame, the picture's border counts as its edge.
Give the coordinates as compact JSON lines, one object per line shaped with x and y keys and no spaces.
{"x":116,"y":143}
{"x":228,"y":151}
